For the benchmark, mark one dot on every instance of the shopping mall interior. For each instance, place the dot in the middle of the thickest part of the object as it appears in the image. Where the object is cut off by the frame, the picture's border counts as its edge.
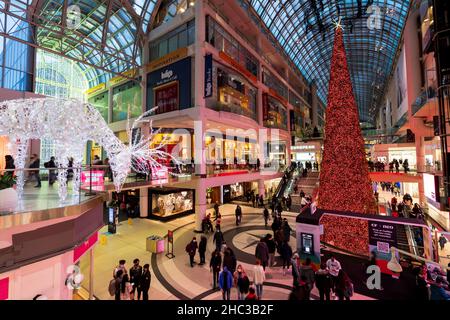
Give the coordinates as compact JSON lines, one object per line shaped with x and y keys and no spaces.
{"x":302,"y":144}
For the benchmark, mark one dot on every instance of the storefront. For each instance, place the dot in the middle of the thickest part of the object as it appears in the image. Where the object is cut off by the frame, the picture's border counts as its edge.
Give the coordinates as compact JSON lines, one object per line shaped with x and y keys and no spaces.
{"x":128,"y":202}
{"x":311,"y":151}
{"x":170,"y":203}
{"x":178,"y":144}
{"x":274,"y":113}
{"x":127,"y":101}
{"x":237,"y":191}
{"x":433,"y":155}
{"x":388,"y":152}
{"x":231,"y":92}
{"x":270,"y":186}
{"x":169,"y":88}
{"x":229,"y":151}
{"x":98,"y":97}
{"x":5,"y":148}
{"x":277,"y":153}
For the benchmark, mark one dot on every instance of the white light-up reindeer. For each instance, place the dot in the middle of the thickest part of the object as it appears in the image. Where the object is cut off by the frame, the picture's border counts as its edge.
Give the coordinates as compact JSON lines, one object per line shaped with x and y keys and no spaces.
{"x":70,"y":124}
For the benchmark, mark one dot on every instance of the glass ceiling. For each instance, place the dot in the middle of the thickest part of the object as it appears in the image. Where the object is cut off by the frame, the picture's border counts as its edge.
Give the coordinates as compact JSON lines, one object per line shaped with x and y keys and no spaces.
{"x":304,"y":28}
{"x":104,"y":37}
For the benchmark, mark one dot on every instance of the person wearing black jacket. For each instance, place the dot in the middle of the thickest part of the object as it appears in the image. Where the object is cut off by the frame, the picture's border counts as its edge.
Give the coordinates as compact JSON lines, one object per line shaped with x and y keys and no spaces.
{"x":238,"y":214}
{"x":323,"y":282}
{"x":191,"y":249}
{"x":202,"y":249}
{"x":266,"y":216}
{"x":51,"y":173}
{"x":135,"y":275}
{"x":144,"y":283}
{"x":272,"y":247}
{"x":214,"y":265}
{"x":218,"y":239}
{"x":421,"y":292}
{"x":9,"y":164}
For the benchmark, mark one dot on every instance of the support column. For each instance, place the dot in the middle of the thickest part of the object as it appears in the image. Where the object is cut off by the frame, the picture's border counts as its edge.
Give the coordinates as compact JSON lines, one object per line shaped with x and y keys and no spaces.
{"x":199,"y":147}
{"x":261,"y":188}
{"x":200,"y":205}
{"x":91,"y":274}
{"x":143,"y":202}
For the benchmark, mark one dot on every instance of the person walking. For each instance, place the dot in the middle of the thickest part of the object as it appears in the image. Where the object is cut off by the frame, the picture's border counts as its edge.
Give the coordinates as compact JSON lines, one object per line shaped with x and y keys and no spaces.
{"x":51,"y":173}
{"x":218,"y":239}
{"x":225,"y":283}
{"x":259,"y":276}
{"x":421,"y":290}
{"x":216,"y":210}
{"x":286,"y":255}
{"x":272,"y":246}
{"x":35,"y":163}
{"x":286,"y":230}
{"x":333,"y":267}
{"x":214,"y":266}
{"x":202,"y":249}
{"x":229,"y":261}
{"x":266,"y":216}
{"x":344,"y":286}
{"x":442,"y":242}
{"x":135,"y":276}
{"x":238,"y":214}
{"x":9,"y":165}
{"x":191,"y":249}
{"x":262,"y":253}
{"x":144,"y":283}
{"x":300,"y":291}
{"x":118,"y":280}
{"x":125,"y":288}
{"x":307,"y":271}
{"x":241,"y":282}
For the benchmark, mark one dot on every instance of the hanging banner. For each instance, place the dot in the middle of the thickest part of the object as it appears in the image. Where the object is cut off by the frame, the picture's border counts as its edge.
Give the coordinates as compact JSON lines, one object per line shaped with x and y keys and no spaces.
{"x":208,"y":76}
{"x":382,"y":236}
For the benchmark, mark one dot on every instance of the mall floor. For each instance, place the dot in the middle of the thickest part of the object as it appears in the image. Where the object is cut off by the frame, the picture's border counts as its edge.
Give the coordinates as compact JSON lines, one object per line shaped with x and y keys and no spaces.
{"x":174,"y":278}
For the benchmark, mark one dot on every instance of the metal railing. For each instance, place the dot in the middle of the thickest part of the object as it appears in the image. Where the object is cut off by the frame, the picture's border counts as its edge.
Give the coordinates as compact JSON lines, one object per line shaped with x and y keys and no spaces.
{"x":423,"y":98}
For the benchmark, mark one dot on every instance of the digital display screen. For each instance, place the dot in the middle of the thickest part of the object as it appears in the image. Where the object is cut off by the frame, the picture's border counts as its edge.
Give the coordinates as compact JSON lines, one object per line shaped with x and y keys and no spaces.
{"x":111,"y":215}
{"x":307,"y":243}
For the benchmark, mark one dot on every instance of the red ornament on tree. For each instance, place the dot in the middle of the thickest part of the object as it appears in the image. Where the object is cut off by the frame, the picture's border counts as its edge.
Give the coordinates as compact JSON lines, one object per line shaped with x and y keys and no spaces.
{"x":344,"y":176}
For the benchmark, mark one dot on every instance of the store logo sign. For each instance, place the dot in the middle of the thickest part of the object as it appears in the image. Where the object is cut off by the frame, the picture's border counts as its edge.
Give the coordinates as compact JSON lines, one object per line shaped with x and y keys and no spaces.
{"x":74,"y":277}
{"x":166,"y":74}
{"x":208,"y":76}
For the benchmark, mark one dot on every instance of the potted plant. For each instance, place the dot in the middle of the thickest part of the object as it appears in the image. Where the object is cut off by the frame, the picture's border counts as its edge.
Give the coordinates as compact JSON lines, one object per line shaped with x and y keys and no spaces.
{"x":8,"y":195}
{"x":208,"y":195}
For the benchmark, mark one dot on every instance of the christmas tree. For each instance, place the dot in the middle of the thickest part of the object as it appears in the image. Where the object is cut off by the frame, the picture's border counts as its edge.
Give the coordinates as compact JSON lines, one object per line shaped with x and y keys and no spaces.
{"x":344,"y":176}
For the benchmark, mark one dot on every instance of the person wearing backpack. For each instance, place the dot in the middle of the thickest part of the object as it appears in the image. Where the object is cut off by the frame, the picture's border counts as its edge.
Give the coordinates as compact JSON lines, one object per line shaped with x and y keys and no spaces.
{"x":191,"y":249}
{"x":225,"y":283}
{"x":135,"y":276}
{"x":241,"y":282}
{"x":144,"y":283}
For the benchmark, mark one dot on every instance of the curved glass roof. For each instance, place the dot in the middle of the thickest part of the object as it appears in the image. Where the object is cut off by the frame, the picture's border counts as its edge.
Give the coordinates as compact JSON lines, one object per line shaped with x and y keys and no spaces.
{"x":372,"y":32}
{"x":104,"y":36}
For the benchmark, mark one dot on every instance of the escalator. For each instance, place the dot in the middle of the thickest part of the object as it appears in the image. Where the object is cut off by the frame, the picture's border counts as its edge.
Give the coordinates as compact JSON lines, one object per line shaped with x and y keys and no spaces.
{"x":402,"y":238}
{"x":285,"y":182}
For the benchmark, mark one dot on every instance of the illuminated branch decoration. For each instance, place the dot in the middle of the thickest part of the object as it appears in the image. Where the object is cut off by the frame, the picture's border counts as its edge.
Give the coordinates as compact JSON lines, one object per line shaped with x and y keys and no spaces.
{"x":71,"y":123}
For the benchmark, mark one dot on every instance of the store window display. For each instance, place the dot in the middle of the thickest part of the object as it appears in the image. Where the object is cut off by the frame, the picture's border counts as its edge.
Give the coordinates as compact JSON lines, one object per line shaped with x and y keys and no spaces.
{"x":169,"y":203}
{"x":126,"y":99}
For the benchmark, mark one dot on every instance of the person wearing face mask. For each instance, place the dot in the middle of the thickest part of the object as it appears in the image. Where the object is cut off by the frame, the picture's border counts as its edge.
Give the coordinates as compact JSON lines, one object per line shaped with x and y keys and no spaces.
{"x":241,"y":282}
{"x":191,"y":249}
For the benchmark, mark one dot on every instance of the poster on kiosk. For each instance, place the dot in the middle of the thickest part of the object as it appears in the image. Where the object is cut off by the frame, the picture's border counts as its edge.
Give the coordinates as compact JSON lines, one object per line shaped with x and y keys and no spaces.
{"x":382,"y":236}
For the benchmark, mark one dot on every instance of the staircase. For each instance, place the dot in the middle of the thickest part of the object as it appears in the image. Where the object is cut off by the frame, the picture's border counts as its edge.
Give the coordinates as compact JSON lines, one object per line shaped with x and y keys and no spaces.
{"x":308,"y":185}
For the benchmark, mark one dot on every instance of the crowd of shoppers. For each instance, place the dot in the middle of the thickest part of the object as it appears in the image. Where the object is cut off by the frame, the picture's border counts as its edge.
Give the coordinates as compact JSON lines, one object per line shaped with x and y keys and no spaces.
{"x":130,"y":285}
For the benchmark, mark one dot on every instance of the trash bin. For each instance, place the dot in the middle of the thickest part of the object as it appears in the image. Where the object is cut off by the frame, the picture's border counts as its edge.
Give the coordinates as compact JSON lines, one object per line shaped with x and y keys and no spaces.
{"x":155,"y":244}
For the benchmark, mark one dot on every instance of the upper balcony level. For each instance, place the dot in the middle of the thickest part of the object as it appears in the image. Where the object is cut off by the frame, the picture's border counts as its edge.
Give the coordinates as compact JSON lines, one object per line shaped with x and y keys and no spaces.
{"x":426,"y":103}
